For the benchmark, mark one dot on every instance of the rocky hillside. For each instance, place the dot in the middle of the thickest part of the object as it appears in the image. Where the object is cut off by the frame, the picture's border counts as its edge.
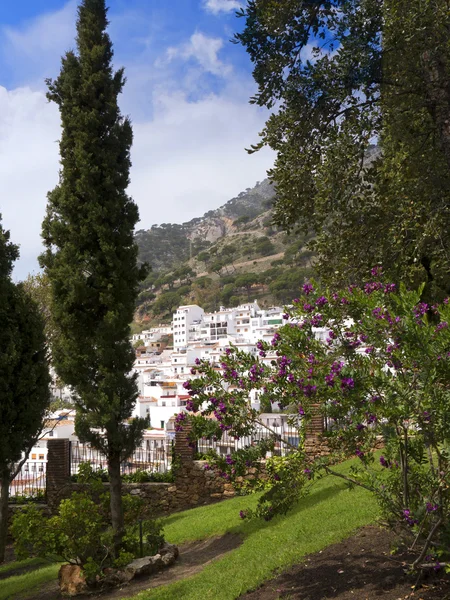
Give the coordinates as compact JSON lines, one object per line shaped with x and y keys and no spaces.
{"x":225,"y":257}
{"x":165,"y":246}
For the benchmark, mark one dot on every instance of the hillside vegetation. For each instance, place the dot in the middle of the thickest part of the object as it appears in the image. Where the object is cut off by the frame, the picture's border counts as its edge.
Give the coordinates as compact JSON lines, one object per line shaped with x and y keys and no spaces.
{"x":230,"y":255}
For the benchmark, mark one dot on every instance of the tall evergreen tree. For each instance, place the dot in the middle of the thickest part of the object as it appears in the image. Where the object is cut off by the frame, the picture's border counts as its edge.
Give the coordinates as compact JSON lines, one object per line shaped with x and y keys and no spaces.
{"x":24,"y":378}
{"x":90,"y":255}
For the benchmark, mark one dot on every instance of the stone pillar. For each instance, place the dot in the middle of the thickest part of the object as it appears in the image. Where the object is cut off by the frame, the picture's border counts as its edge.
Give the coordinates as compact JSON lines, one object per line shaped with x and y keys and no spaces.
{"x":58,"y":469}
{"x":183,"y":450}
{"x":314,"y":444}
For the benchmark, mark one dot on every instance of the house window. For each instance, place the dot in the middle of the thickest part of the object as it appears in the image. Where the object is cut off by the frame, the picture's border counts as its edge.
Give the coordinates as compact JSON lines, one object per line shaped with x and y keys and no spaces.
{"x":33,"y":457}
{"x":162,"y":424}
{"x":41,"y":457}
{"x":163,"y":403}
{"x":50,"y":433}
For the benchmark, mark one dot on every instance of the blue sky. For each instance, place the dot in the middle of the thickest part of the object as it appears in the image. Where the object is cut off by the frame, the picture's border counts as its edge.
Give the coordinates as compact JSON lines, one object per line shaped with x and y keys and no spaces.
{"x":187,"y":94}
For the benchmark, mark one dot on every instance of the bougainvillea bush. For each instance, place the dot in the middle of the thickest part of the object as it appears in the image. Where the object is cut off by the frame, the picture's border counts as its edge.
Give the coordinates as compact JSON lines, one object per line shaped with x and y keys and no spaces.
{"x":380,"y":375}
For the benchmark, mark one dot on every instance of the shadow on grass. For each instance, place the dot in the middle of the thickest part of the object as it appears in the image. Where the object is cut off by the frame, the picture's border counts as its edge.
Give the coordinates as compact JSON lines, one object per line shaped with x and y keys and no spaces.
{"x":246,"y":528}
{"x":312,"y":499}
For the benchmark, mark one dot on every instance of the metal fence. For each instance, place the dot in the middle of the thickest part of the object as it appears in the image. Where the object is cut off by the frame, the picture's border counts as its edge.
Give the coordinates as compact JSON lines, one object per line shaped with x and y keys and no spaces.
{"x":154,"y":458}
{"x":287,"y":441}
{"x":30,"y":482}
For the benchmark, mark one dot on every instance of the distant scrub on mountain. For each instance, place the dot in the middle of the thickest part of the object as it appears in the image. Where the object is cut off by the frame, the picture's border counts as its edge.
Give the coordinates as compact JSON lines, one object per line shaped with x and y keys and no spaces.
{"x":231,"y":255}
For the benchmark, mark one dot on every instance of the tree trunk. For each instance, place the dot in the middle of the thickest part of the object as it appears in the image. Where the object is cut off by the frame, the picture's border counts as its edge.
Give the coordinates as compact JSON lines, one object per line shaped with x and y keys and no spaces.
{"x":437,"y":86}
{"x":4,"y":497}
{"x":116,"y":500}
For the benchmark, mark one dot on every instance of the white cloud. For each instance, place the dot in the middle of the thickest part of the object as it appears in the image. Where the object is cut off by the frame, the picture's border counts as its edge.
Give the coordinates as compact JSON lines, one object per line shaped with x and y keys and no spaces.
{"x":189,"y":143}
{"x":204,"y":50}
{"x":217,"y":6}
{"x":191,"y":157}
{"x":29,"y":130}
{"x":34,"y":50}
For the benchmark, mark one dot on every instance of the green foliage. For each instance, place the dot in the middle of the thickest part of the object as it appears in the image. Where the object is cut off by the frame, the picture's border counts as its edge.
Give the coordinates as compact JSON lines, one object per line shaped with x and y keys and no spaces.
{"x":382,"y":372}
{"x":167,"y":302}
{"x":24,"y":376}
{"x":87,"y":475}
{"x":340,"y":75}
{"x":81,"y":532}
{"x":35,"y":497}
{"x":90,"y":256}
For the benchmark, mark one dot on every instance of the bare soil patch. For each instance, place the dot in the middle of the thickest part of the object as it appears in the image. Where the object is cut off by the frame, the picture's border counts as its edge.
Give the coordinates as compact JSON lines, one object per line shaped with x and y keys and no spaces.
{"x":359,"y":568}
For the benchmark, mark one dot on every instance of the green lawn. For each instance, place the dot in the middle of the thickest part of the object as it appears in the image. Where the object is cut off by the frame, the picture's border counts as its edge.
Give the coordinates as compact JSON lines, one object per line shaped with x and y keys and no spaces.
{"x":329,"y":514}
{"x":25,"y":586}
{"x":29,"y":562}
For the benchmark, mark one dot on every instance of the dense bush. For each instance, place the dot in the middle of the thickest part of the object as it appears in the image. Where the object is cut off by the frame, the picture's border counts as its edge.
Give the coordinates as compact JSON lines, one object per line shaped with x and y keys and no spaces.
{"x":81,"y":533}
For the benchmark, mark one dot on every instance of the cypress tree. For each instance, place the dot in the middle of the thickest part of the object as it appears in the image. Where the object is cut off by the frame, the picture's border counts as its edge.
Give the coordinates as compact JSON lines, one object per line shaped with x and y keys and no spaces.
{"x":91,"y":257}
{"x":24,"y":377}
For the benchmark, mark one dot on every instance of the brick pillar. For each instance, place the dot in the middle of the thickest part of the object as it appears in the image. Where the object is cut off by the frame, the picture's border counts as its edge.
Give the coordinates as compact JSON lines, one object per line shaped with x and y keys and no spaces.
{"x":58,"y":468}
{"x":183,"y":450}
{"x":314,"y":445}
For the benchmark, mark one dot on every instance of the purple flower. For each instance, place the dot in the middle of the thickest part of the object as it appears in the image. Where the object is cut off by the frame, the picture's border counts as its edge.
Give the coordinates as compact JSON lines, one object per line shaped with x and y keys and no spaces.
{"x":369,"y":349}
{"x":441,"y":325}
{"x":374,"y":286}
{"x":307,"y":307}
{"x":408,"y":518}
{"x":285,"y":316}
{"x":360,"y":427}
{"x":426,"y":416}
{"x":276,"y":477}
{"x":329,"y":379}
{"x":197,"y":361}
{"x":316,"y":320}
{"x":321,"y":301}
{"x":301,"y":411}
{"x":187,"y":385}
{"x":275,"y":339}
{"x":309,"y":390}
{"x":243,"y":514}
{"x":376,"y":271}
{"x":307,"y":288}
{"x":229,"y":460}
{"x":193,"y":371}
{"x":358,"y":453}
{"x":431,"y":507}
{"x":207,"y":467}
{"x":384,"y":462}
{"x":347,"y":383}
{"x":419,"y":310}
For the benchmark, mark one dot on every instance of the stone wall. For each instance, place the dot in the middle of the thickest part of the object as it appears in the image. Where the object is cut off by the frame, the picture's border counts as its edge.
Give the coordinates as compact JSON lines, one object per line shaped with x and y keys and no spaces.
{"x":193,"y":486}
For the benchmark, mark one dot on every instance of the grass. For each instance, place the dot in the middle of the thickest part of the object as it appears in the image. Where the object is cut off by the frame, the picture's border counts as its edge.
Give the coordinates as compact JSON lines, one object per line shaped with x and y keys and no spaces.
{"x":17,"y":564}
{"x":329,"y":514}
{"x":25,"y":585}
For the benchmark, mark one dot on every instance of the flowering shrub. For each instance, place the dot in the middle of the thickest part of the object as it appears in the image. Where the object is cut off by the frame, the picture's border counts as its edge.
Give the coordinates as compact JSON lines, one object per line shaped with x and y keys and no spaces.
{"x":379,"y":372}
